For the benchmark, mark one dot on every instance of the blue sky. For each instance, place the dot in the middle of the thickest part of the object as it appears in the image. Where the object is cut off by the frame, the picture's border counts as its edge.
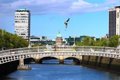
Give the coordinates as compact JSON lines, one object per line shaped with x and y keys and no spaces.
{"x":87,"y":17}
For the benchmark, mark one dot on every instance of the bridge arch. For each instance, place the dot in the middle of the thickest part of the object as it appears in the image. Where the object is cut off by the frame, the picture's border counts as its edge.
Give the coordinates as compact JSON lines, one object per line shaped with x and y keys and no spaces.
{"x":29,"y":60}
{"x":48,"y":58}
{"x":75,"y":60}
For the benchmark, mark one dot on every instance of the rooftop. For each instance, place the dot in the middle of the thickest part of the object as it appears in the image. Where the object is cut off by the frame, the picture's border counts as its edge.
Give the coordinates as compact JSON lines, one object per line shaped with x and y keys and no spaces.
{"x":59,"y":35}
{"x":117,"y":6}
{"x":22,"y":10}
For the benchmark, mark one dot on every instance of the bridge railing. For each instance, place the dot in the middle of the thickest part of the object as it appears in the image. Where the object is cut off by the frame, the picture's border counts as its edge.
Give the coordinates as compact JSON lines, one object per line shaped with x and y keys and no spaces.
{"x":22,"y":50}
{"x":43,"y":49}
{"x":99,"y":49}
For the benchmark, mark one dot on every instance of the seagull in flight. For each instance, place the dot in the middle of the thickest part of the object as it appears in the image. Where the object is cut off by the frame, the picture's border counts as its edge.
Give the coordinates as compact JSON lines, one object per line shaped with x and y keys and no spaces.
{"x":66,"y":22}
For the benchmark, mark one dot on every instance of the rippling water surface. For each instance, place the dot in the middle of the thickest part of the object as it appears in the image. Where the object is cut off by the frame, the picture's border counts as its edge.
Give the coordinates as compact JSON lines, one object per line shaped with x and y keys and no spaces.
{"x":61,"y":72}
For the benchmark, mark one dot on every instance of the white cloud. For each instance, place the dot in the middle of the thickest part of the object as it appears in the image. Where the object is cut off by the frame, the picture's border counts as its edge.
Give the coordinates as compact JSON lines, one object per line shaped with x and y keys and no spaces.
{"x":83,"y":6}
{"x":55,"y":6}
{"x":80,"y":4}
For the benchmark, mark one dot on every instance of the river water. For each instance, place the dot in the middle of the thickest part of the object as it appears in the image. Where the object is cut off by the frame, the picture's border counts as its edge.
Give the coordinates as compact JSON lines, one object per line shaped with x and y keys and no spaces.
{"x":61,"y":72}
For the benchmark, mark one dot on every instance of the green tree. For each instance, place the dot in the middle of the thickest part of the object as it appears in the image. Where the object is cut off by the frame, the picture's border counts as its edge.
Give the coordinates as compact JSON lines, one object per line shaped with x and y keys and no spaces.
{"x":114,"y":41}
{"x":78,"y":43}
{"x":102,"y":42}
{"x":87,"y":41}
{"x":8,"y":40}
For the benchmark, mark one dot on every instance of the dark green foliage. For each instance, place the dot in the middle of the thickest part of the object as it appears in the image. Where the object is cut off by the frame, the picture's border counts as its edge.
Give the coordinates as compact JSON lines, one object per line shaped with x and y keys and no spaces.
{"x":114,"y":41}
{"x":107,"y":42}
{"x":8,"y":40}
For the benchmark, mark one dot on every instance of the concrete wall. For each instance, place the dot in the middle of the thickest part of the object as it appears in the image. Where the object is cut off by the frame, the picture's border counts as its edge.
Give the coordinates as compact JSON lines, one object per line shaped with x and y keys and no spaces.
{"x":115,"y":64}
{"x":103,"y":62}
{"x":98,"y":61}
{"x":8,"y":68}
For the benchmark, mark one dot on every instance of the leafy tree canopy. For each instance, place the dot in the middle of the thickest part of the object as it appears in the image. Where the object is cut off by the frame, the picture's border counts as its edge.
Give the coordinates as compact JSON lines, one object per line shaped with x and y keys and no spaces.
{"x":8,"y":40}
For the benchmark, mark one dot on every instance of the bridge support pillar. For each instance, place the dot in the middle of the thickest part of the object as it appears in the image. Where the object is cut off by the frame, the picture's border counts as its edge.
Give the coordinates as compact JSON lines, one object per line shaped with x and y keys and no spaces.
{"x":38,"y":61}
{"x":76,"y":62}
{"x":21,"y":65}
{"x":110,"y":61}
{"x":61,"y":61}
{"x":100,"y":61}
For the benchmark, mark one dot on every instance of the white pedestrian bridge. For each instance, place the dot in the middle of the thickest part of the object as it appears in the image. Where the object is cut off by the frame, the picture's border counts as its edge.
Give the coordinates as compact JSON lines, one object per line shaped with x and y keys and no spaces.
{"x":59,"y":53}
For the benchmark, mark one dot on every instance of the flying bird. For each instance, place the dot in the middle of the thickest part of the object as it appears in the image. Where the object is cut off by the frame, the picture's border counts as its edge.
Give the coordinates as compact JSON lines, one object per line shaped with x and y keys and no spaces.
{"x":66,"y":22}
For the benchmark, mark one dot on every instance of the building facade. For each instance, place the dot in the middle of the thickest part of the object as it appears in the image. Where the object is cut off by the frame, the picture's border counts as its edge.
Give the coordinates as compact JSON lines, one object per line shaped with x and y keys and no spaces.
{"x":42,"y":40}
{"x":22,"y":23}
{"x":72,"y":40}
{"x":59,"y":39}
{"x":114,"y":21}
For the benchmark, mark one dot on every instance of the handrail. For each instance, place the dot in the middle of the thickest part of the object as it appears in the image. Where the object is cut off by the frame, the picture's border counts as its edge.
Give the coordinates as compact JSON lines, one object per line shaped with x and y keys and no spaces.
{"x":65,"y":48}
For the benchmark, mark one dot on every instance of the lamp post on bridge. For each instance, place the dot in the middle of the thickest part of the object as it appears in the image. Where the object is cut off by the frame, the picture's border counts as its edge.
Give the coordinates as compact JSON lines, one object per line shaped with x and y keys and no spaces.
{"x":29,"y":43}
{"x":74,"y":41}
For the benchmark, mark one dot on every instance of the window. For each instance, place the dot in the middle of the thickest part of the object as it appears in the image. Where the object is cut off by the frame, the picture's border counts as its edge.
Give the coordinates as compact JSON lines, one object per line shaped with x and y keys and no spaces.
{"x":117,"y":15}
{"x":22,"y":34}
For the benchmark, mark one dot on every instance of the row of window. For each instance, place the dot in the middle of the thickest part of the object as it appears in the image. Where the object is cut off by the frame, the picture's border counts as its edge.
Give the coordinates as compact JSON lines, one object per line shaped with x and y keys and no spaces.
{"x":22,"y":27}
{"x":117,"y":15}
{"x":22,"y":33}
{"x":21,"y":16}
{"x":25,"y":30}
{"x":21,"y":21}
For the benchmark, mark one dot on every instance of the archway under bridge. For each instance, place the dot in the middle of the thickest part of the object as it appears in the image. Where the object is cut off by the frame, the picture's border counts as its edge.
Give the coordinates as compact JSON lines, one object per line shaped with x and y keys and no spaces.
{"x":49,"y":60}
{"x":53,"y":60}
{"x":72,"y":60}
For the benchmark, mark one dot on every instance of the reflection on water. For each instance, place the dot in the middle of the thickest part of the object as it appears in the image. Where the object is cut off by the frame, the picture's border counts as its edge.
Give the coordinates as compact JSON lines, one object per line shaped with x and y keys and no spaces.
{"x":61,"y":72}
{"x":54,"y":61}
